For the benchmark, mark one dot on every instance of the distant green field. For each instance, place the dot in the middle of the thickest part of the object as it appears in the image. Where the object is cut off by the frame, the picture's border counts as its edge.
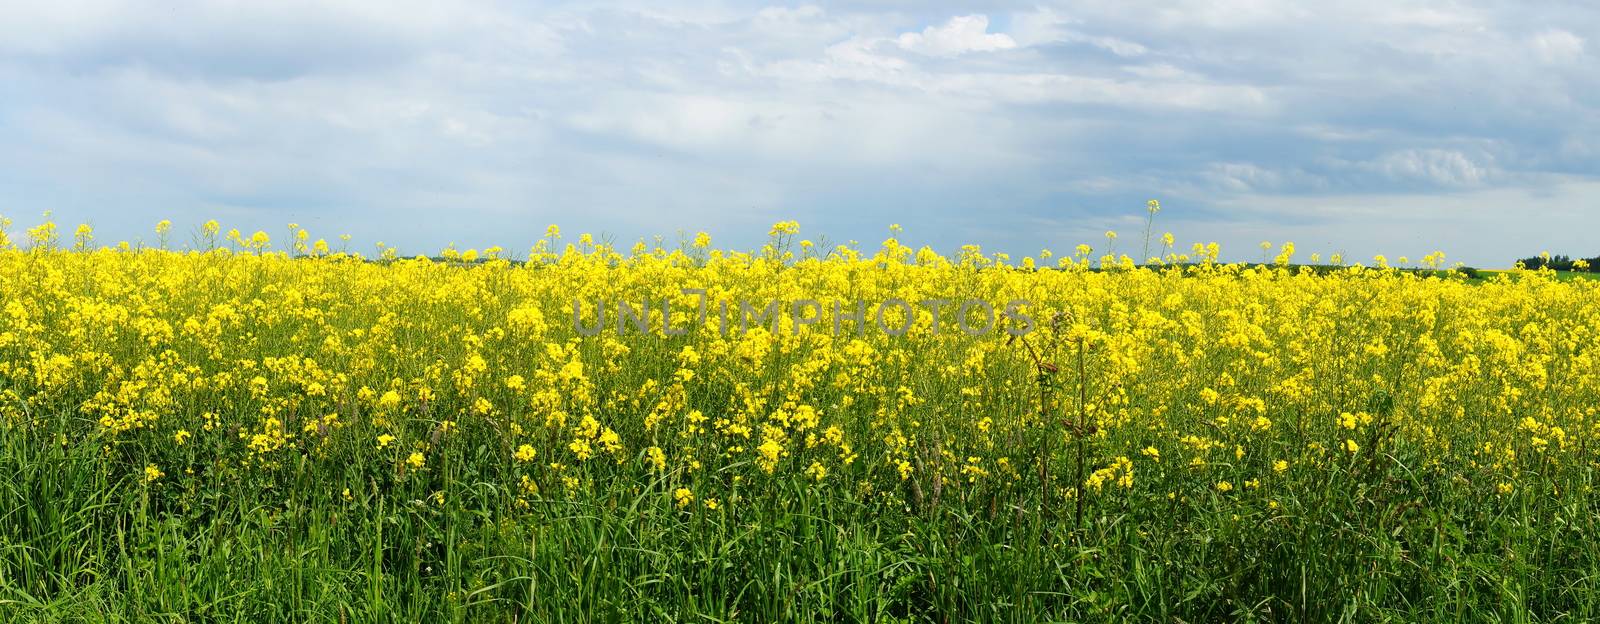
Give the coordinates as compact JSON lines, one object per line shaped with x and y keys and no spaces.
{"x":1565,"y":276}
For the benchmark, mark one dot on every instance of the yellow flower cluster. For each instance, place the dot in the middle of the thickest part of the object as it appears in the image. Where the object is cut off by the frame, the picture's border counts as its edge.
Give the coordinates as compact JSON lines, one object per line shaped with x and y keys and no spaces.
{"x":1193,"y":374}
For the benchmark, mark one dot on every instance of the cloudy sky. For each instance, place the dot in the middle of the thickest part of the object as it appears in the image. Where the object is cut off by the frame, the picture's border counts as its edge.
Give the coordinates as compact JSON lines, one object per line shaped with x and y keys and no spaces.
{"x":1360,"y":126}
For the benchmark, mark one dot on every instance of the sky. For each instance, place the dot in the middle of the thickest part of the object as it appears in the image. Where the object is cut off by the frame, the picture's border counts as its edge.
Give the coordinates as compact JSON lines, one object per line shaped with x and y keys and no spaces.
{"x":1360,"y":126}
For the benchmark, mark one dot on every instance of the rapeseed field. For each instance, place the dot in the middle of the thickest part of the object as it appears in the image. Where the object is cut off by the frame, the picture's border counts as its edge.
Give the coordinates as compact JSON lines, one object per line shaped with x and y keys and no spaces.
{"x":238,"y":428}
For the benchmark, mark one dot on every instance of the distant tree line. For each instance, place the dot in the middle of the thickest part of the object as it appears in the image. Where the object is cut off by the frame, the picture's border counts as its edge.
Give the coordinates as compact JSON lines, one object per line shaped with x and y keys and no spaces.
{"x":1562,"y":263}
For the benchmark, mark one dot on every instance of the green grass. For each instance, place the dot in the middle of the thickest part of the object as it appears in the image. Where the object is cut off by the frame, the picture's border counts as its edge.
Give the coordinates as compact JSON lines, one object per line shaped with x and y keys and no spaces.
{"x":1376,"y":538}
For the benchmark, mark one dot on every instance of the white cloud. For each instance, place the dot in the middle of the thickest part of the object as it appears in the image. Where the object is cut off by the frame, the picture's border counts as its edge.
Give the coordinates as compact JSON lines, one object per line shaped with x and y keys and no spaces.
{"x":1039,"y":26}
{"x":1558,"y":46}
{"x":785,"y":14}
{"x":1241,"y":177}
{"x":1117,"y":46}
{"x":1457,"y":18}
{"x":1044,"y":26}
{"x":962,"y":34}
{"x":1434,"y":166}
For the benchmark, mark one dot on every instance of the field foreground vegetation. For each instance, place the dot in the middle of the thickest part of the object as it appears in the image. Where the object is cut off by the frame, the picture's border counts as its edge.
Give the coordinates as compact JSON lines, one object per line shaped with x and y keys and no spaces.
{"x":234,"y":434}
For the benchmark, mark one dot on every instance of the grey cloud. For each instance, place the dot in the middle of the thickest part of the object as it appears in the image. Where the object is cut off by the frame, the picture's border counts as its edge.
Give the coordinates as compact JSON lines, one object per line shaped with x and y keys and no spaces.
{"x":1024,"y":124}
